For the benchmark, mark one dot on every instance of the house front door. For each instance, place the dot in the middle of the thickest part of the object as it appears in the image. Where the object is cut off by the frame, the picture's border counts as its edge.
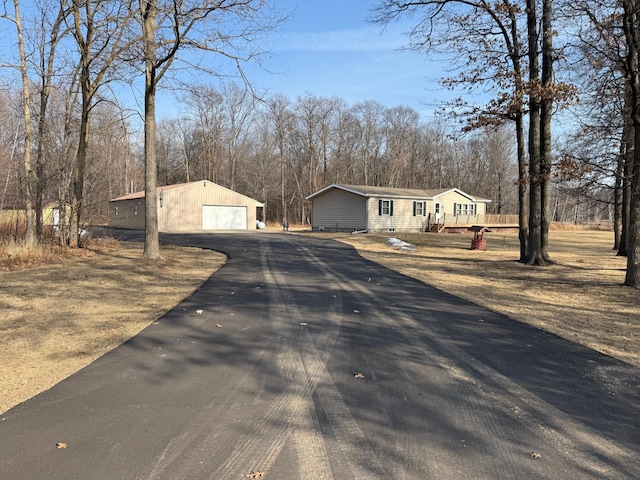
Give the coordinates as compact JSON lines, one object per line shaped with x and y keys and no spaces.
{"x":437,"y":208}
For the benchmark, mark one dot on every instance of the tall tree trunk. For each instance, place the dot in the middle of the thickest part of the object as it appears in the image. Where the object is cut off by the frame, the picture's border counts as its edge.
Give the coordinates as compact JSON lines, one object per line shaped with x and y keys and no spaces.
{"x":30,"y":176}
{"x":523,"y":198}
{"x":546,"y":111}
{"x":40,"y":171}
{"x":152,"y":239}
{"x":628,"y":145}
{"x":617,"y":201}
{"x":46,"y":75}
{"x":534,"y":254}
{"x":632,"y":278}
{"x":632,"y":36}
{"x":81,"y":159}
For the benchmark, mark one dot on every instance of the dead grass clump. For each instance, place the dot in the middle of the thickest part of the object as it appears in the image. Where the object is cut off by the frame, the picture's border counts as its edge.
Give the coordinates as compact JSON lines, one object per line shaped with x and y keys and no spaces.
{"x":19,"y":255}
{"x":101,"y":244}
{"x":572,"y":227}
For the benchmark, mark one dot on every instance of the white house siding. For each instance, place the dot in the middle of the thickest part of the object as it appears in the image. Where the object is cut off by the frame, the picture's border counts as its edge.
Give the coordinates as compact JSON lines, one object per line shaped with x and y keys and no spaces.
{"x":402,"y":219}
{"x":448,"y":199}
{"x":337,"y":210}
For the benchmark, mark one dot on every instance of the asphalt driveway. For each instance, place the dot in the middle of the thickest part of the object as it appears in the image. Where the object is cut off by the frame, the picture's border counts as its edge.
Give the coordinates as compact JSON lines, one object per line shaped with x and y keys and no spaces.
{"x":309,"y":362}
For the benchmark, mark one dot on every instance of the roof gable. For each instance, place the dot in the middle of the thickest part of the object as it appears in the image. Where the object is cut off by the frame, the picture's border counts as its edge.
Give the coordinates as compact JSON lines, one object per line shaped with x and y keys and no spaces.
{"x":164,"y":188}
{"x":141,"y":193}
{"x":460,"y":192}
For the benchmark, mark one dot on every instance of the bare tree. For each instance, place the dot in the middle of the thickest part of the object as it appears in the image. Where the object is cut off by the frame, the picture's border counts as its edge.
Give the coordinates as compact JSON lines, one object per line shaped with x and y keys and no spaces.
{"x":27,"y":140}
{"x":370,"y":140}
{"x":606,"y":131}
{"x":50,"y":32}
{"x":239,"y":107}
{"x":100,"y":29}
{"x":283,"y":122}
{"x":631,"y":28}
{"x":172,"y":26}
{"x":489,"y":52}
{"x":205,"y":109}
{"x":401,"y":126}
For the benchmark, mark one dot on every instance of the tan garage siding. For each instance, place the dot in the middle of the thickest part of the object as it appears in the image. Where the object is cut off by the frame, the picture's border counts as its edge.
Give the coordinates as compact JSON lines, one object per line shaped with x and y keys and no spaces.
{"x":127,"y":213}
{"x":338,"y":210}
{"x":402,"y":219}
{"x":180,"y":206}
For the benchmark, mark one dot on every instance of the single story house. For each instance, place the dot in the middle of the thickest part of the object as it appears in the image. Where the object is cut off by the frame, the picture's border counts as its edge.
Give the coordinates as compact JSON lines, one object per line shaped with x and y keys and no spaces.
{"x":188,"y":207}
{"x":351,"y":208}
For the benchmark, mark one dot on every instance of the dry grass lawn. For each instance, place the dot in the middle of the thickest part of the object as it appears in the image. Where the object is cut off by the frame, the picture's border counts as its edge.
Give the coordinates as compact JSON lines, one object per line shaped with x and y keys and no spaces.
{"x":59,"y":317}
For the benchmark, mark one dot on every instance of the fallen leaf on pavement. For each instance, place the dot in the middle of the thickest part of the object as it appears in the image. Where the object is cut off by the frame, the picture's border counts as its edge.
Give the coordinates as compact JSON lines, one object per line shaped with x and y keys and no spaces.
{"x":61,"y":445}
{"x":199,"y":312}
{"x":359,"y":375}
{"x":535,"y":455}
{"x":257,"y":474}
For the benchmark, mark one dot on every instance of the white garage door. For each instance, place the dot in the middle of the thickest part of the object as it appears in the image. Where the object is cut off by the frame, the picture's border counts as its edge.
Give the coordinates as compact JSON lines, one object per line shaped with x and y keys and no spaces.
{"x":217,"y":217}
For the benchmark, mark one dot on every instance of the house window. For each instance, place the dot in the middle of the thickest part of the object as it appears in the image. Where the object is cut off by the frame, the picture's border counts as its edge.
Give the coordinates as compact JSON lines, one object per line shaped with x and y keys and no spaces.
{"x":465,"y":209}
{"x":419,"y":209}
{"x":135,"y":209}
{"x":385,"y":208}
{"x":116,"y":211}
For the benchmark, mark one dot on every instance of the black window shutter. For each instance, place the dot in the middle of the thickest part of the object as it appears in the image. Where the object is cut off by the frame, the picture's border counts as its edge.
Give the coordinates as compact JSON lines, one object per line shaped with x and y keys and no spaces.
{"x":424,"y":209}
{"x":391,"y":208}
{"x":414,"y":208}
{"x":379,"y":207}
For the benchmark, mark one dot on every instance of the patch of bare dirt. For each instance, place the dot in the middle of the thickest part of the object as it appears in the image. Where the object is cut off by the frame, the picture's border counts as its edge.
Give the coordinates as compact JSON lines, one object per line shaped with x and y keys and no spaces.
{"x":58,"y":318}
{"x":580,"y":297}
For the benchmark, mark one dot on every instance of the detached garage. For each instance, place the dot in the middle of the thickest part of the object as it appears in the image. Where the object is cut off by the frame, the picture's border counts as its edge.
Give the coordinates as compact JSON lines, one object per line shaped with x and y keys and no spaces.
{"x":188,"y":207}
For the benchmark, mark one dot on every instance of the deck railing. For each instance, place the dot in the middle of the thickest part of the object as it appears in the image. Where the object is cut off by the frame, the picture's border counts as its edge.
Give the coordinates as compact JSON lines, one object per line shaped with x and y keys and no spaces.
{"x":487,"y":220}
{"x":451,"y":221}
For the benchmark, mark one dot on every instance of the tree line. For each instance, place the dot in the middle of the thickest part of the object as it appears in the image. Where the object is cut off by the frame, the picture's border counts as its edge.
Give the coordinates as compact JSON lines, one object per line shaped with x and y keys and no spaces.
{"x":277,"y":150}
{"x":66,"y":136}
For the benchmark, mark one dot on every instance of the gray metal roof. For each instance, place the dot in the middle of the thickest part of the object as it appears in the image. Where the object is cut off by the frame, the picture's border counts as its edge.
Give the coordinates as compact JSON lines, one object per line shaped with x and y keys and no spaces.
{"x":390,"y":192}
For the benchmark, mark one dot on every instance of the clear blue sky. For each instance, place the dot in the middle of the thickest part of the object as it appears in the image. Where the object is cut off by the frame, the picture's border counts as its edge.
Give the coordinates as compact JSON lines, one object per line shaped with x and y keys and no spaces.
{"x":328,"y":48}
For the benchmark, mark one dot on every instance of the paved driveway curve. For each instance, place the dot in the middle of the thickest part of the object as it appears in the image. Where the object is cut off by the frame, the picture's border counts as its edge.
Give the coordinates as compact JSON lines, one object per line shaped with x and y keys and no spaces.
{"x":263,"y":381}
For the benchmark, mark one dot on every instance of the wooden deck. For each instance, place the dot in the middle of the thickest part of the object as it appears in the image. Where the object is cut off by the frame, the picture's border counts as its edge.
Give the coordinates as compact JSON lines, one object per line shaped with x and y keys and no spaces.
{"x":461,"y":223}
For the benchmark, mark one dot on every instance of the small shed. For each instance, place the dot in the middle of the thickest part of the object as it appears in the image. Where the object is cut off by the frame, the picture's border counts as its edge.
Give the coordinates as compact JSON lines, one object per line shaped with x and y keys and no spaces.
{"x":51,"y":214}
{"x":188,"y":207}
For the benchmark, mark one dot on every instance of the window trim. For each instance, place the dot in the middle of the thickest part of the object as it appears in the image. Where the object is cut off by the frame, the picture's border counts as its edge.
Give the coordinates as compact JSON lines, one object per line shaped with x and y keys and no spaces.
{"x":385,"y":208}
{"x":465,"y":209}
